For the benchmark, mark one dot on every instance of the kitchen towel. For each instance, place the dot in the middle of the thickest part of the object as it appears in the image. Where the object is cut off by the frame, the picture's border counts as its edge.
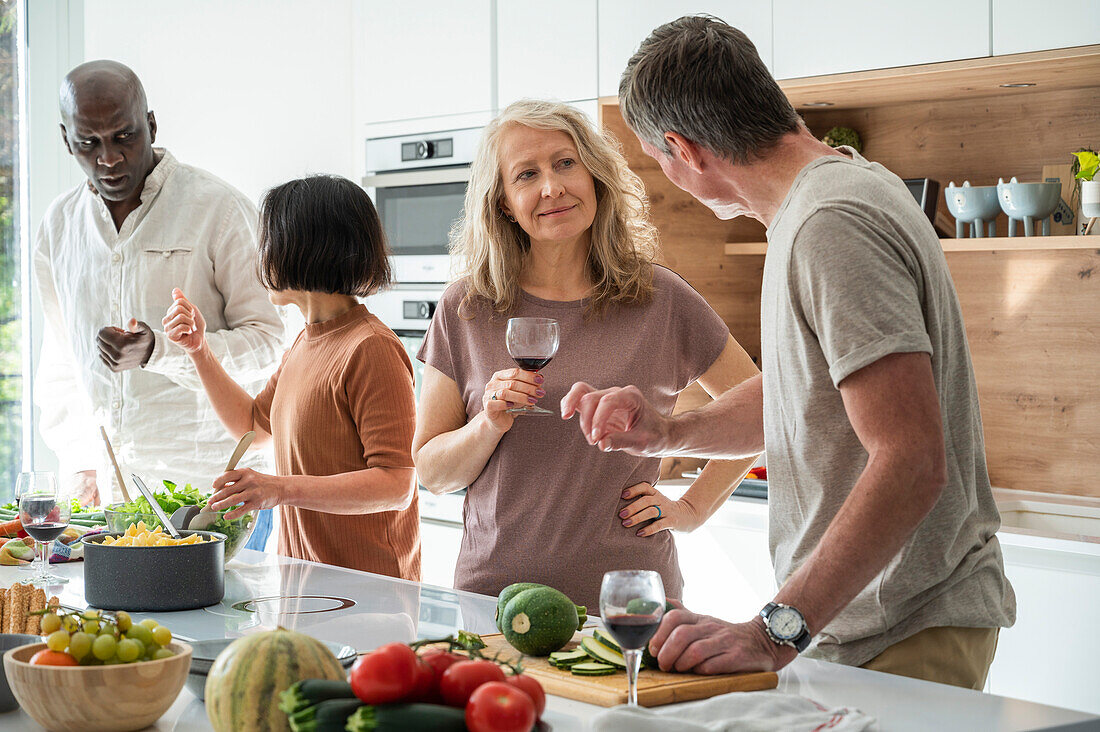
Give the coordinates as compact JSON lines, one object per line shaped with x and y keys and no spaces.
{"x":745,"y":712}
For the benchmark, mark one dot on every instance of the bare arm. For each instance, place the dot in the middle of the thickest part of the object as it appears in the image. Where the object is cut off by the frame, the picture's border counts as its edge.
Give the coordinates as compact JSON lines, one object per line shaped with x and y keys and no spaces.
{"x":185,"y":326}
{"x":449,"y":452}
{"x":363,"y":491}
{"x":620,"y":418}
{"x":718,"y":478}
{"x":893,"y":407}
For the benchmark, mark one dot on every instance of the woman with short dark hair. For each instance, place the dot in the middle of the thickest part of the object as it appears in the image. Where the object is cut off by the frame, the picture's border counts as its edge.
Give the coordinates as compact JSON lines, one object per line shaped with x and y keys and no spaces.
{"x":340,"y":407}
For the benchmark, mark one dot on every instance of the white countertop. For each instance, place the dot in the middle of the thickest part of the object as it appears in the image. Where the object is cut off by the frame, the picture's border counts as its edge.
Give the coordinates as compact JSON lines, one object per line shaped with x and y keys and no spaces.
{"x":365,"y":611}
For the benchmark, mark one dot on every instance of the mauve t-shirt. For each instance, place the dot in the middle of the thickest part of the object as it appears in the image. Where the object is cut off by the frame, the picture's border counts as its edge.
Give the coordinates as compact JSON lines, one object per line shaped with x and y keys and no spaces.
{"x":545,"y":507}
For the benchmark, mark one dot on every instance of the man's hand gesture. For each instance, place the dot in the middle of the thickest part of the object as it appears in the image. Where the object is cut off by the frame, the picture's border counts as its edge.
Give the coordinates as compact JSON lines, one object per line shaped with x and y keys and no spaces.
{"x":122,"y":350}
{"x":618,"y":418}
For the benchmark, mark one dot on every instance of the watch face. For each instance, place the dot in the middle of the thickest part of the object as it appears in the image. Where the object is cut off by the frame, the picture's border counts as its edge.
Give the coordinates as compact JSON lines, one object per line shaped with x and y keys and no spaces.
{"x":785,"y":623}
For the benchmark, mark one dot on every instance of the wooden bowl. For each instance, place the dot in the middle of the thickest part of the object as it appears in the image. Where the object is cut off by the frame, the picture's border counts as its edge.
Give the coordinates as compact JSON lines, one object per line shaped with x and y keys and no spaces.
{"x":119,"y":698}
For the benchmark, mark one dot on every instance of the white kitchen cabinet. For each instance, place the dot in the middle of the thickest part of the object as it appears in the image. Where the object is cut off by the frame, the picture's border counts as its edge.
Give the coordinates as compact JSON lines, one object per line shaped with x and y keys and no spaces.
{"x":539,"y":56}
{"x":1050,"y":654}
{"x":813,"y":38}
{"x":1021,"y":25}
{"x":624,"y":24}
{"x":422,"y":59}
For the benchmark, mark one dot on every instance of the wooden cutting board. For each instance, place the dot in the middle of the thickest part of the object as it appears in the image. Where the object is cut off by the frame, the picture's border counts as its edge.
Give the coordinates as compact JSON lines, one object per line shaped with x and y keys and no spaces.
{"x":654,"y":687}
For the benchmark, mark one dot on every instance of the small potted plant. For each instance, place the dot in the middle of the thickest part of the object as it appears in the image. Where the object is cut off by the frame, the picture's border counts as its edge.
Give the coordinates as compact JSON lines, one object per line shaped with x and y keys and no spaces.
{"x":1085,"y":169}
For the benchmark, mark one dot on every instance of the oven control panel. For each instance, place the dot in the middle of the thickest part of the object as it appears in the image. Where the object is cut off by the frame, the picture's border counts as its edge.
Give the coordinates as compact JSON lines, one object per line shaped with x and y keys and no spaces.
{"x":417,"y":309}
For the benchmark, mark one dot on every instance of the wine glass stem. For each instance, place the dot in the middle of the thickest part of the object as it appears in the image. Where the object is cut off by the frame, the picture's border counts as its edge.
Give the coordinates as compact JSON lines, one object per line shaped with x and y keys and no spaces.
{"x":633,"y":658}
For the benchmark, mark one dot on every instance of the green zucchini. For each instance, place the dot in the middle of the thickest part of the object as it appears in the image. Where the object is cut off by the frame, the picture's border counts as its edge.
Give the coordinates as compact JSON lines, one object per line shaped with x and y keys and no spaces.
{"x":607,"y":640}
{"x":328,"y":716}
{"x":602,"y":653}
{"x":306,"y":693}
{"x":407,"y":717}
{"x":593,"y":669}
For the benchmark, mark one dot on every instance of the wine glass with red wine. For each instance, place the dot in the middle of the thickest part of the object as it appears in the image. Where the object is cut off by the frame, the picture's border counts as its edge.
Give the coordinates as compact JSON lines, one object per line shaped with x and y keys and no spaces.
{"x":532,"y":342}
{"x":44,"y":512}
{"x":632,"y":603}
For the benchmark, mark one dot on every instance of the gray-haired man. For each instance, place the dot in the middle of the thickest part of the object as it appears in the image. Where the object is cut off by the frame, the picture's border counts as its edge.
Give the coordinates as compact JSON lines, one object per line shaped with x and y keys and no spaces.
{"x":882,"y":519}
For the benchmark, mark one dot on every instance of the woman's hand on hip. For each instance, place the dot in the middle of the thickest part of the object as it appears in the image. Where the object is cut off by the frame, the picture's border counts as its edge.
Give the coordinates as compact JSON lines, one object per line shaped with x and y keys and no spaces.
{"x":507,"y":389}
{"x":650,"y":503}
{"x":245,"y":486}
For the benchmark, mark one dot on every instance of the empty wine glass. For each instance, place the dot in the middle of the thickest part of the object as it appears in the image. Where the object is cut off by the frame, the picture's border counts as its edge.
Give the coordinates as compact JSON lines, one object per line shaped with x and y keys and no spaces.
{"x":44,"y":512}
{"x":532,"y":342}
{"x":632,"y":603}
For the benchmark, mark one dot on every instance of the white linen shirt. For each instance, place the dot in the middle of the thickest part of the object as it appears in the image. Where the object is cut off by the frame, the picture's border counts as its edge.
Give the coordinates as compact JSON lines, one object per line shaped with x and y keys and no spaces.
{"x":192,"y":231}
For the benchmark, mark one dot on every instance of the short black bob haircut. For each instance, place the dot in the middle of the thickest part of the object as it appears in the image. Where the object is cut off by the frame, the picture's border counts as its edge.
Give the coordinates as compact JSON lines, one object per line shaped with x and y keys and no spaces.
{"x":322,"y":234}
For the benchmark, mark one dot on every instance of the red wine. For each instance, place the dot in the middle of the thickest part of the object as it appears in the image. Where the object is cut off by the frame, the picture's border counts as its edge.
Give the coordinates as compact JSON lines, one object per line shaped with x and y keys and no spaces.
{"x":532,"y":364}
{"x":632,"y":632}
{"x":46,"y":532}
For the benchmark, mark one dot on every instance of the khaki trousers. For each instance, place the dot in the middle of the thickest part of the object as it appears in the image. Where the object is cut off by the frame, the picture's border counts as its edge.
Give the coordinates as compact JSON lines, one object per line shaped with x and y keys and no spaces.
{"x":948,"y":655}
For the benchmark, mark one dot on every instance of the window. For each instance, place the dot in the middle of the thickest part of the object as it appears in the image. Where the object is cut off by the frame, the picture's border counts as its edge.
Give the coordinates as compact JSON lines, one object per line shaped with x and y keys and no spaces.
{"x":11,"y":259}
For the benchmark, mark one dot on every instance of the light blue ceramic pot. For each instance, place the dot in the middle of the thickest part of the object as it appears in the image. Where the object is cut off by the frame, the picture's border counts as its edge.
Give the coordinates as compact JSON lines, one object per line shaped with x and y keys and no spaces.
{"x":1029,"y":202}
{"x":974,"y":205}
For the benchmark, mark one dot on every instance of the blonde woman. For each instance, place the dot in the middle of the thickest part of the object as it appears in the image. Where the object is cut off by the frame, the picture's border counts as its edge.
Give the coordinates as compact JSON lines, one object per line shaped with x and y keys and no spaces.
{"x":556,"y":226}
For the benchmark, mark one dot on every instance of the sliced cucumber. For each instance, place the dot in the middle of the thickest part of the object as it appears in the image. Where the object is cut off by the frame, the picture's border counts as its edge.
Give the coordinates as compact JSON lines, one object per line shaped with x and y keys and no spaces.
{"x":607,"y":640}
{"x":565,"y":659}
{"x":592,"y":668}
{"x":602,"y":653}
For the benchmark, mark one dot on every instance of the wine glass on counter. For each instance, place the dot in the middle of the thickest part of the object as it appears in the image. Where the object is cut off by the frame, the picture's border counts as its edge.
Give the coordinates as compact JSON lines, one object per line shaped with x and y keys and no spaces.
{"x":632,"y":603}
{"x":44,"y":512}
{"x":532,"y":343}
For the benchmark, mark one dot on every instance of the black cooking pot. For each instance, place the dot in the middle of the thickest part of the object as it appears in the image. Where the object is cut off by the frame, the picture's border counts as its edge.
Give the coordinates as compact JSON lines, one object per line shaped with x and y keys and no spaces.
{"x":154,"y":578}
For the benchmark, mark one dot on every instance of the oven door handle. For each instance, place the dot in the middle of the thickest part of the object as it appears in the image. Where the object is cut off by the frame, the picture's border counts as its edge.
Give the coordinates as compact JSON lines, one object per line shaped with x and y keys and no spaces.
{"x":417,"y":177}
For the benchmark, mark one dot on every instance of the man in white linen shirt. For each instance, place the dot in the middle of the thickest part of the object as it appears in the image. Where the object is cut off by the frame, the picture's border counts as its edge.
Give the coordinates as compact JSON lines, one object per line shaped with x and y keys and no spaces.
{"x":110,"y":251}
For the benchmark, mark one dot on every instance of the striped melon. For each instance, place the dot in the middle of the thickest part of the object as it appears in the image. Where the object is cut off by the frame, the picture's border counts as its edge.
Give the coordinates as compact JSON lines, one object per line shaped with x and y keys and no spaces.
{"x":243,"y":686}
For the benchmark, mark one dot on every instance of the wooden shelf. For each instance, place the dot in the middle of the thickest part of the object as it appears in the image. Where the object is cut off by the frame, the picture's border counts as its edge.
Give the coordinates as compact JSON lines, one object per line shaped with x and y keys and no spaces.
{"x":1060,"y":69}
{"x":985,"y":244}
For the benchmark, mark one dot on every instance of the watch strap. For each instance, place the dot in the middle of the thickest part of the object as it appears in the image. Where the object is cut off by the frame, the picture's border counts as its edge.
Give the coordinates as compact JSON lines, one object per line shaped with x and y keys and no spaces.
{"x":800,"y":642}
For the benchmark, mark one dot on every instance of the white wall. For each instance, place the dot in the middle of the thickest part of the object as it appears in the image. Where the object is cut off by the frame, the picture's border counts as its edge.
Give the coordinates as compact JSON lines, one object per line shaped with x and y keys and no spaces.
{"x":255,"y":91}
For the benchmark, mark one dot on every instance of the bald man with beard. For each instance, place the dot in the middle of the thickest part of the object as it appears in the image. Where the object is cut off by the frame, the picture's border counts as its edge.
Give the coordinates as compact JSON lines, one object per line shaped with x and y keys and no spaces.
{"x":107,"y":257}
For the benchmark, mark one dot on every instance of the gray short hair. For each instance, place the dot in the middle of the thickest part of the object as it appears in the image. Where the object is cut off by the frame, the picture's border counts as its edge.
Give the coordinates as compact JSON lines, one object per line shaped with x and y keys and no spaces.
{"x":702,"y":78}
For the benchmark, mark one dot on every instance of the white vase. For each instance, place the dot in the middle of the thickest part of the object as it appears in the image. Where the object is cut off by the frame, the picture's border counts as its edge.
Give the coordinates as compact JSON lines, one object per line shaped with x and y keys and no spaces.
{"x":1090,"y":206}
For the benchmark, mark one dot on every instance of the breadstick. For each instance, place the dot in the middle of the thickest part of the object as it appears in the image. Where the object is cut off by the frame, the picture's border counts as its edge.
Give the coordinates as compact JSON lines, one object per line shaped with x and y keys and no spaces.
{"x":17,"y":617}
{"x":38,"y":602}
{"x":5,"y":610}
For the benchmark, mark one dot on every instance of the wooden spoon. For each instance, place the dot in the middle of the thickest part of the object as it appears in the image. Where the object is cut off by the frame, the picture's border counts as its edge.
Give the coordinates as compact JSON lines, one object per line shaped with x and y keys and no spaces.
{"x":118,"y":473}
{"x":204,"y":518}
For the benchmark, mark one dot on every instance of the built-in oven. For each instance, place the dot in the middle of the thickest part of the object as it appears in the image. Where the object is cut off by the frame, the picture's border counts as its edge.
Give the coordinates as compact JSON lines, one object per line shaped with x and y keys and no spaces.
{"x":418,"y":183}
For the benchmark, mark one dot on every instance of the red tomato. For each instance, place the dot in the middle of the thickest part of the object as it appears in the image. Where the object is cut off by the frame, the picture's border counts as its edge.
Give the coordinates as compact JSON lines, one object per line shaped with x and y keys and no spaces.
{"x":426,"y":686}
{"x":440,"y":660}
{"x":531,"y":685}
{"x":500,"y":707}
{"x":46,"y":657}
{"x":463,"y":677}
{"x":385,"y":675}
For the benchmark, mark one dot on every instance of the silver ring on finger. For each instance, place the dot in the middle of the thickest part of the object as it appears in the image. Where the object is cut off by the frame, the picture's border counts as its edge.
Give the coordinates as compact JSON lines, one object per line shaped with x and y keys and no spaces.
{"x":658,"y":511}
{"x":495,"y":396}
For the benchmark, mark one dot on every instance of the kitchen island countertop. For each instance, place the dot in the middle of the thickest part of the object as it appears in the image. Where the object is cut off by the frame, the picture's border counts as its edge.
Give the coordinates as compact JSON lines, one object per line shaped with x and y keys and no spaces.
{"x":365,"y":611}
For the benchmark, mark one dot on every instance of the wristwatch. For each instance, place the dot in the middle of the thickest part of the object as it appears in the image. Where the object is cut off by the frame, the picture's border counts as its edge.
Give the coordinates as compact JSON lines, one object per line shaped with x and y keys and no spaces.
{"x":786,"y":626}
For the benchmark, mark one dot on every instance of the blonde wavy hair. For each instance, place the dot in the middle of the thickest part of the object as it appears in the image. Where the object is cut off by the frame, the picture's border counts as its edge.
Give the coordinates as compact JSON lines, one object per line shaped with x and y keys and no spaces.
{"x":491,"y":249}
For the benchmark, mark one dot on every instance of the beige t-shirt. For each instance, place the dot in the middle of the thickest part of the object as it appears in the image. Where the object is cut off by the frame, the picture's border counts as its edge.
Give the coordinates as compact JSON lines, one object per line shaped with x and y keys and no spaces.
{"x":545,"y":507}
{"x":855,"y":272}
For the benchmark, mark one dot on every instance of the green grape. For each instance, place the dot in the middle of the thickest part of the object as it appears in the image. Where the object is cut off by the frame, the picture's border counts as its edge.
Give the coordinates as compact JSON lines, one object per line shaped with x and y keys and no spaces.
{"x":91,"y":626}
{"x":162,"y":653}
{"x":58,"y":641}
{"x":107,"y":629}
{"x":50,"y":623}
{"x":142,"y":634}
{"x":91,"y":614}
{"x":103,"y":647}
{"x":162,"y":636}
{"x":71,"y":623}
{"x":79,"y":645}
{"x":149,"y":623}
{"x":122,"y":618}
{"x":128,"y":650}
